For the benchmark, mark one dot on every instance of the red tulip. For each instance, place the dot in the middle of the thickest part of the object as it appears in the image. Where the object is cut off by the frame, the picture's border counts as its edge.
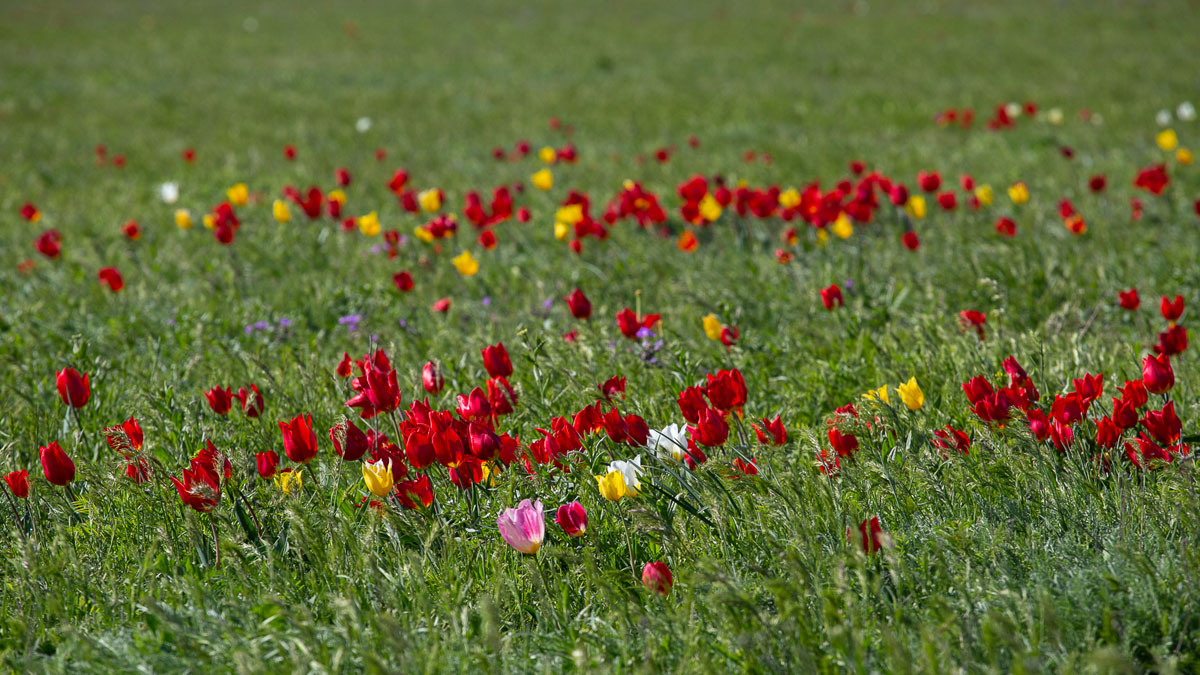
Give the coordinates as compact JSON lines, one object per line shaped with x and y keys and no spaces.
{"x":845,"y":445}
{"x":125,"y":437}
{"x":1163,"y":425}
{"x":1172,"y":309}
{"x":1134,"y":393}
{"x":289,"y":152}
{"x":974,"y":319}
{"x":572,"y":518}
{"x":73,"y":389}
{"x":132,"y":230}
{"x":947,"y":200}
{"x":578,"y":303}
{"x":30,"y":212}
{"x":220,"y":400}
{"x":57,"y":465}
{"x":496,"y":361}
{"x":442,"y":306}
{"x":1129,"y":299}
{"x":1007,"y":227}
{"x":910,"y":240}
{"x":267,"y":463}
{"x":349,"y":442}
{"x":49,"y":243}
{"x":612,"y":386}
{"x":1124,"y":414}
{"x":1157,"y":374}
{"x":657,"y":577}
{"x":252,"y":401}
{"x":898,"y":194}
{"x":770,"y":432}
{"x":870,"y":531}
{"x":18,"y":483}
{"x":1097,"y":183}
{"x":729,"y":335}
{"x":189,"y":155}
{"x":632,"y":325}
{"x":403,"y":281}
{"x":111,"y":277}
{"x":431,"y":379}
{"x":710,"y":429}
{"x":474,"y":406}
{"x":691,"y":401}
{"x":1172,"y":341}
{"x":414,"y":494}
{"x":832,"y":295}
{"x":1152,"y":179}
{"x":1107,"y":433}
{"x":342,"y":176}
{"x":1089,"y":388}
{"x":929,"y":181}
{"x":952,"y":439}
{"x":637,"y":431}
{"x":299,"y":441}
{"x":199,"y":489}
{"x":726,"y":390}
{"x":1039,"y":425}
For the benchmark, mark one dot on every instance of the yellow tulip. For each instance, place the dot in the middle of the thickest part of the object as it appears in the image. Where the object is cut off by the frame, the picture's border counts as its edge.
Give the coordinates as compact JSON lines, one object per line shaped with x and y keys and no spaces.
{"x":183,"y":219}
{"x":712,"y":327}
{"x":466,"y":264}
{"x":710,"y":208}
{"x":338,"y":196}
{"x":547,"y":155}
{"x":985,"y":195}
{"x":280,"y":210}
{"x":369,"y":224}
{"x":378,"y":477}
{"x":612,"y":486}
{"x":430,"y":200}
{"x":789,"y":198}
{"x":542,"y":180}
{"x":880,"y":394}
{"x":1184,"y":156}
{"x":209,"y":221}
{"x":1167,"y":140}
{"x":570,"y":215}
{"x":1019,"y":193}
{"x":916,"y":206}
{"x":911,"y":394}
{"x":238,"y":195}
{"x":423,"y":233}
{"x":288,"y":481}
{"x":561,"y":230}
{"x":842,"y":228}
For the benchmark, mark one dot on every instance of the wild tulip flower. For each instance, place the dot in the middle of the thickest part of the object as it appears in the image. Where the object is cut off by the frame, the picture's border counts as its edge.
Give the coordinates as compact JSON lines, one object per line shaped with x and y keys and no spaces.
{"x":712,"y":327}
{"x":831,"y":296}
{"x":441,"y":306}
{"x":524,"y":527}
{"x":466,"y":264}
{"x":1164,"y":425}
{"x":668,"y":442}
{"x":349,"y":442}
{"x":198,"y":489}
{"x":280,"y":211}
{"x":911,"y":394}
{"x":880,"y":394}
{"x":267,"y":463}
{"x":572,"y":518}
{"x":542,"y":180}
{"x":657,"y":577}
{"x":378,"y":477}
{"x":870,"y":535}
{"x":183,"y":219}
{"x":1172,"y":309}
{"x":910,"y":241}
{"x":30,"y":212}
{"x":49,"y":244}
{"x":915,"y":207}
{"x":415,"y":494}
{"x":985,"y":195}
{"x":288,"y":480}
{"x":111,"y":277}
{"x":1018,"y":193}
{"x":1129,"y":299}
{"x":220,"y":399}
{"x":1167,"y":140}
{"x":18,"y":483}
{"x":1006,"y":227}
{"x":770,"y":432}
{"x":1157,"y":374}
{"x":496,"y":361}
{"x":299,"y":441}
{"x":56,"y":465}
{"x":578,"y":303}
{"x":711,"y":430}
{"x":431,"y":379}
{"x":73,"y":389}
{"x":929,"y":181}
{"x":950,"y":438}
{"x":631,"y":324}
{"x":1124,"y":414}
{"x":845,"y":445}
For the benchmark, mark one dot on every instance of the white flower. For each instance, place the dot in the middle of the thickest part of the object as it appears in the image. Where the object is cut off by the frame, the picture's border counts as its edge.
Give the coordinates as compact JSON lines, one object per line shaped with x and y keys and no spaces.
{"x":1055,"y":116}
{"x":629,"y":473}
{"x":670,"y":442}
{"x":1186,"y":111}
{"x":1163,"y":117}
{"x":1013,"y":109}
{"x":363,"y":125}
{"x":169,"y":192}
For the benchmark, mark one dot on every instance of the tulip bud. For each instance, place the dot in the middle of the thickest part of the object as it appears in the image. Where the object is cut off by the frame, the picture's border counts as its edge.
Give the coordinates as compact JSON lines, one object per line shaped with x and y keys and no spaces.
{"x":1157,"y":374}
{"x":657,"y":577}
{"x":432,"y":379}
{"x":57,"y":465}
{"x":73,"y":389}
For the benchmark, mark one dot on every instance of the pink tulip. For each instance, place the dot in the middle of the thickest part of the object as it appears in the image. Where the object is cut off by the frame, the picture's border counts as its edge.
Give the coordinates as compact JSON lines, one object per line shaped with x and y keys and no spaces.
{"x":523,"y":527}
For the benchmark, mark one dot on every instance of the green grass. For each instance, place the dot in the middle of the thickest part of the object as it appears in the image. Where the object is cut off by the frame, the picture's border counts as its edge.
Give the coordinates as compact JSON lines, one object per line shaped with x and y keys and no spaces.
{"x":1014,"y":558}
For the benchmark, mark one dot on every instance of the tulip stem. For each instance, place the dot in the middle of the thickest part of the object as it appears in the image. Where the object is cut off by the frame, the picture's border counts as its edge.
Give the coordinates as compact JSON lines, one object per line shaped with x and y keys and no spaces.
{"x":545,"y":588}
{"x":629,"y":547}
{"x":212,"y":523}
{"x":16,"y":516}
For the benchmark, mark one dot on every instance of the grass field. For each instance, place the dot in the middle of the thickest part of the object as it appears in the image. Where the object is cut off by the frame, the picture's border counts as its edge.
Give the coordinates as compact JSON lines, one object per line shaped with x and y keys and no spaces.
{"x":1020,"y":555}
